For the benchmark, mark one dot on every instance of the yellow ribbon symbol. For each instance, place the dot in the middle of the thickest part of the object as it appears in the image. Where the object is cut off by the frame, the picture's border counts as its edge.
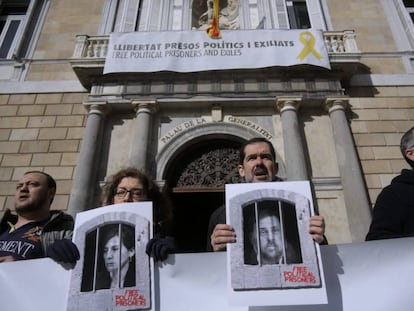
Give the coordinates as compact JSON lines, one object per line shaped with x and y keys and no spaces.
{"x":308,"y":40}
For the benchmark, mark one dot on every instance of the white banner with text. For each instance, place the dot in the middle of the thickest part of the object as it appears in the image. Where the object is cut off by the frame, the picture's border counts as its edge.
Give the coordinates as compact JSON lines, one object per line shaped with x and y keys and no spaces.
{"x":191,"y":51}
{"x":375,"y":275}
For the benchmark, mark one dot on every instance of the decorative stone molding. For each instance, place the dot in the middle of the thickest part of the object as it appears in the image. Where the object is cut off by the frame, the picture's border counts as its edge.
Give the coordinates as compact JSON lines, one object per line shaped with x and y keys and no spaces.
{"x":284,"y":103}
{"x":212,"y":169}
{"x":149,"y":107}
{"x":216,"y":113}
{"x":101,"y":108}
{"x":336,"y":103}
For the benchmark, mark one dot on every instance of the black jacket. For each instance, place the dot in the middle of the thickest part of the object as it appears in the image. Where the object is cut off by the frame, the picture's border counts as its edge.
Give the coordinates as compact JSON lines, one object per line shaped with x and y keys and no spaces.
{"x":393,"y":214}
{"x":58,"y":227}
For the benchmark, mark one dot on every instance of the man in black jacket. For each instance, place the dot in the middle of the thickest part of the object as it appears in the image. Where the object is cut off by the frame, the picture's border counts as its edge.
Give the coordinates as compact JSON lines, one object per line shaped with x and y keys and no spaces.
{"x":393,"y":214}
{"x":257,"y":163}
{"x":36,"y":231}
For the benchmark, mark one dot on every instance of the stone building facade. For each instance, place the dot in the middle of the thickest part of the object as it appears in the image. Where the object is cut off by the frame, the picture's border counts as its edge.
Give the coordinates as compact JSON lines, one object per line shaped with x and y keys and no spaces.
{"x":338,"y":128}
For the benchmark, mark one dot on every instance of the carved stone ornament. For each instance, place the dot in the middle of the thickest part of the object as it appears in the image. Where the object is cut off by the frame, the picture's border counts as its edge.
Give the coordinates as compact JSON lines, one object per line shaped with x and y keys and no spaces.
{"x":212,"y":169}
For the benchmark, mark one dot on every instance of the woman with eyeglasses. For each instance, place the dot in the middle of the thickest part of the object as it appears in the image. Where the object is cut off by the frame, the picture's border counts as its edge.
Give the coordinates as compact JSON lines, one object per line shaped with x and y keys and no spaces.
{"x":132,"y":185}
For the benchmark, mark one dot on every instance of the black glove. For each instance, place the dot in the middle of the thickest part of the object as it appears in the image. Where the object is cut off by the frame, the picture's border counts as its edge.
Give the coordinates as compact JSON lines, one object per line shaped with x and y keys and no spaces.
{"x":159,"y":248}
{"x":63,"y":251}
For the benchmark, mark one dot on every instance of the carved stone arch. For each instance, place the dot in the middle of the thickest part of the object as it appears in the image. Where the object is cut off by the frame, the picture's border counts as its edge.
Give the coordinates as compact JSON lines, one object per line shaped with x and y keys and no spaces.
{"x":205,"y":156}
{"x":209,"y":162}
{"x":194,"y":164}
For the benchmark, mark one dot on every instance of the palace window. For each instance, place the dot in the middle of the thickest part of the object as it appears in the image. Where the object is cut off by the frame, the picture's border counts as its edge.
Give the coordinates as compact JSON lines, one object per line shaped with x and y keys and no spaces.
{"x":409,"y":5}
{"x":400,"y":15}
{"x":11,"y":26}
{"x":157,"y":15}
{"x":254,"y":14}
{"x":298,"y":14}
{"x":19,"y":21}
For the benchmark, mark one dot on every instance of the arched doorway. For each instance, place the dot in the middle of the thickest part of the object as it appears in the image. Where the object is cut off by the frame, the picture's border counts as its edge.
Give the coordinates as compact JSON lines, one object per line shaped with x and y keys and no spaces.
{"x":195,"y":177}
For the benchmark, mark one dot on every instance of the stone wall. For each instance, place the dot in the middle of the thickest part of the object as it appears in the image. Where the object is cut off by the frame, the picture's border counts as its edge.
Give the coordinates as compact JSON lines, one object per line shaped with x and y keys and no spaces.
{"x":40,"y":132}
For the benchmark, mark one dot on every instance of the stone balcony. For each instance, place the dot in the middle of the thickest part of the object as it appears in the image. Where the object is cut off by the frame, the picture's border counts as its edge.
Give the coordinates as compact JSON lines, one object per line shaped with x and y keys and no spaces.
{"x":88,"y":59}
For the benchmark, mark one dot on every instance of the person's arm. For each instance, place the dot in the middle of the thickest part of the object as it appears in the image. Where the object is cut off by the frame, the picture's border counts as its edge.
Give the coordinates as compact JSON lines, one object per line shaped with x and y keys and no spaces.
{"x":6,"y":259}
{"x":317,"y":229}
{"x":160,"y":247}
{"x":64,"y":251}
{"x":218,"y":233}
{"x":222,"y":234}
{"x":57,"y":240}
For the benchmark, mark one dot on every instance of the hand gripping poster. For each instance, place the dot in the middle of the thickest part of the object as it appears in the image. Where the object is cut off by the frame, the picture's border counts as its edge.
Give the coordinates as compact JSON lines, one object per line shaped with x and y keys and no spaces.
{"x":114,"y":272}
{"x":274,"y":260}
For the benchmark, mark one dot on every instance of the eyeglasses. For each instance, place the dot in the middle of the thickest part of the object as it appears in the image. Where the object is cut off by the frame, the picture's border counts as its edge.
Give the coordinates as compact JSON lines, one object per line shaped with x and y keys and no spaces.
{"x":136,"y":193}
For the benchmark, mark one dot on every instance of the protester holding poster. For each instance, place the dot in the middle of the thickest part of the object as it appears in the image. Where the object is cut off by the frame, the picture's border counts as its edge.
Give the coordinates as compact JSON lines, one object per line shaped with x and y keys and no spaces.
{"x":257,"y":163}
{"x":132,"y":185}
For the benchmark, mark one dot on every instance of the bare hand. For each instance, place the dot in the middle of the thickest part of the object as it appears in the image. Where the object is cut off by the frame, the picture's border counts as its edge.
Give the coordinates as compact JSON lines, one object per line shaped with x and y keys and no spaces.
{"x":222,"y":235}
{"x":317,"y":228}
{"x":6,"y":259}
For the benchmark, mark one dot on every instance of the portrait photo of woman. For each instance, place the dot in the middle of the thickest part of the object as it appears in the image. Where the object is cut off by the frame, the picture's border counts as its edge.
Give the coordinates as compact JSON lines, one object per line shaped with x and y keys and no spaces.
{"x":110,"y":250}
{"x":117,"y":252}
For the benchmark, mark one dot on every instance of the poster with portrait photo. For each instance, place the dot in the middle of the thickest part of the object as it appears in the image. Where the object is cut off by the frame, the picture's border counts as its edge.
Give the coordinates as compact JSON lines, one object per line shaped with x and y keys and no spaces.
{"x":114,"y":272}
{"x":274,"y":258}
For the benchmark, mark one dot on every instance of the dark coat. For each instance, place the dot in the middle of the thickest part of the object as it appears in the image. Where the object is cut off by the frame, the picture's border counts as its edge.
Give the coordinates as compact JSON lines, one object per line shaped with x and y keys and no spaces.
{"x":58,"y":227}
{"x":393,"y":214}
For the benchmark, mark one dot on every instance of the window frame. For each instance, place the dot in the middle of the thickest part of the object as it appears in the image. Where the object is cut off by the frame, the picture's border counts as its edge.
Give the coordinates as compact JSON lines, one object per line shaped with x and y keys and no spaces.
{"x":402,"y":28}
{"x":19,"y":40}
{"x":9,"y":19}
{"x":295,"y":21}
{"x":410,"y":11}
{"x":24,"y":43}
{"x":157,"y":15}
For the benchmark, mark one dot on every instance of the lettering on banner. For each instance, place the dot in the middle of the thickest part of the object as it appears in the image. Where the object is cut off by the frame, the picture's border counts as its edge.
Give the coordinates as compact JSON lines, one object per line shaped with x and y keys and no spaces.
{"x":191,"y":49}
{"x":131,"y":297}
{"x":145,"y":52}
{"x":299,"y":274}
{"x":137,"y":51}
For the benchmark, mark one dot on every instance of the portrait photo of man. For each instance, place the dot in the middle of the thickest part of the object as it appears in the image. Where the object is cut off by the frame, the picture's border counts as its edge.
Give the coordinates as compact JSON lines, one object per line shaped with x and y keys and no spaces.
{"x":267,"y":240}
{"x":271,"y":221}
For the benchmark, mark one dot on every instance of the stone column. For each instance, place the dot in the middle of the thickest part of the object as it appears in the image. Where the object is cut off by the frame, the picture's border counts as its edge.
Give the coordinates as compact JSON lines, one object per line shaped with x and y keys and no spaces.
{"x":143,"y":125}
{"x":354,"y":188}
{"x":83,"y":187}
{"x":296,"y":168}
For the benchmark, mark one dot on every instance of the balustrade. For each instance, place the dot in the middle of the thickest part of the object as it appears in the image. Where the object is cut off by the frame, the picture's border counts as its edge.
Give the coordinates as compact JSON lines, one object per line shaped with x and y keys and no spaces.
{"x":337,"y":42}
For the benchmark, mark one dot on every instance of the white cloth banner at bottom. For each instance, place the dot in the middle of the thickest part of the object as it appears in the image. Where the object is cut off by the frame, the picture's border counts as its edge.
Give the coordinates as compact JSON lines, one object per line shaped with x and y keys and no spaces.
{"x":374,"y":275}
{"x":190,"y":51}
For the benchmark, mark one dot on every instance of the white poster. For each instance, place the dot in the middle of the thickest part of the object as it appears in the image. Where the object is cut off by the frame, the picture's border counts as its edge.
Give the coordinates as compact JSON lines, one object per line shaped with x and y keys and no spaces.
{"x":114,"y":273}
{"x":375,"y":275}
{"x":191,"y":51}
{"x":274,"y":259}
